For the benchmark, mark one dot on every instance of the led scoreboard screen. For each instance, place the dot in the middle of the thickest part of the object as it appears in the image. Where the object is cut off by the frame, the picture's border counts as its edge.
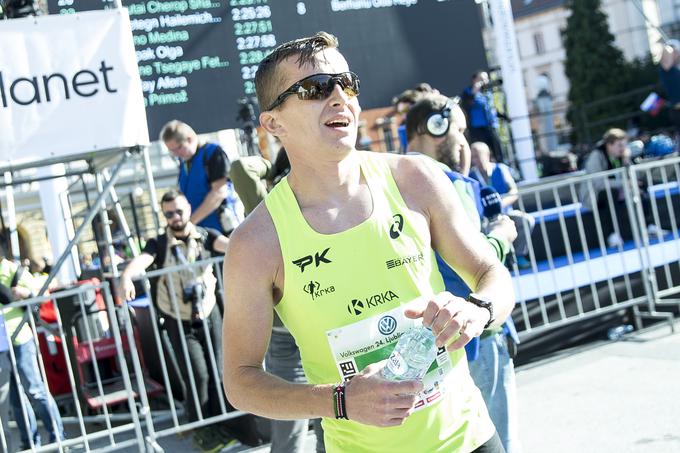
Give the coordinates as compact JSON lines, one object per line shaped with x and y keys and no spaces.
{"x":197,"y":58}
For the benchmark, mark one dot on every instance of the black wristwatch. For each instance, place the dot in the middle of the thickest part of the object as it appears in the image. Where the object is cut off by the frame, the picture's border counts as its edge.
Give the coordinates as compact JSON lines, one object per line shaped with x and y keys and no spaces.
{"x":483,"y":302}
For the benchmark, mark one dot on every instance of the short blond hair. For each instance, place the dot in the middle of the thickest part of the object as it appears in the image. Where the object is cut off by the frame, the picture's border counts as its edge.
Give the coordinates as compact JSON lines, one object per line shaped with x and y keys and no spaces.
{"x":614,"y":135}
{"x":176,"y":130}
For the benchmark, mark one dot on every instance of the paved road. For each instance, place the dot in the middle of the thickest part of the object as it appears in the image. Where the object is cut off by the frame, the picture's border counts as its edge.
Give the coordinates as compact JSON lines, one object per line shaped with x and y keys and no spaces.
{"x":621,"y":397}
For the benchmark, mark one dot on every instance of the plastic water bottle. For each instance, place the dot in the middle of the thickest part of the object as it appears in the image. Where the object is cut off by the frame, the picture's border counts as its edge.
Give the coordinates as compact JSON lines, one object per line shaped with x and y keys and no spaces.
{"x":412,"y":356}
{"x":616,"y":333}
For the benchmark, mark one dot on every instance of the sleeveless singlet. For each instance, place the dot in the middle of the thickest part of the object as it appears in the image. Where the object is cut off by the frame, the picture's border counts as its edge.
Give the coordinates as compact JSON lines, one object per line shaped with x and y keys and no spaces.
{"x":343,"y":301}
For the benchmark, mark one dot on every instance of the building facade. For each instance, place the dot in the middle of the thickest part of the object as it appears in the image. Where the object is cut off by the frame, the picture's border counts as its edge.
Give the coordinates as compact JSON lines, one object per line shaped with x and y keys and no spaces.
{"x":538,"y":27}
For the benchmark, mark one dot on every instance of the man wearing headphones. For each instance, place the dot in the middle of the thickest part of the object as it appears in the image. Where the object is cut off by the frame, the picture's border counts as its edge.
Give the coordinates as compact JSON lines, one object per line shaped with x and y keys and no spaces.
{"x":435,"y":126}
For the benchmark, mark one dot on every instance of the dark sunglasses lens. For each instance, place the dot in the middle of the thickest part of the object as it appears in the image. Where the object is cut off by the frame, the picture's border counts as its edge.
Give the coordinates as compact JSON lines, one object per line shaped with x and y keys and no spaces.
{"x":171,"y":214}
{"x":349,"y":82}
{"x":315,"y":87}
{"x":320,"y":86}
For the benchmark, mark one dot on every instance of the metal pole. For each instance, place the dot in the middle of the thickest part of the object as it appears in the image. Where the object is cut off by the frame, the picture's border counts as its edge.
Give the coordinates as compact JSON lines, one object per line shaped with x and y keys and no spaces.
{"x":152,"y":189}
{"x":659,"y":30}
{"x":12,"y":217}
{"x":121,"y":217}
{"x":106,"y":225}
{"x":86,"y":223}
{"x":513,"y":86}
{"x":135,"y":220}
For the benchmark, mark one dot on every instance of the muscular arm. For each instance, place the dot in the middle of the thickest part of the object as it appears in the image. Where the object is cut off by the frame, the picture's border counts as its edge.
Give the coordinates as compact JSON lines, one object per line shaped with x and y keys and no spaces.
{"x":249,"y":272}
{"x":252,"y":269}
{"x":455,"y":240}
{"x":217,"y":194}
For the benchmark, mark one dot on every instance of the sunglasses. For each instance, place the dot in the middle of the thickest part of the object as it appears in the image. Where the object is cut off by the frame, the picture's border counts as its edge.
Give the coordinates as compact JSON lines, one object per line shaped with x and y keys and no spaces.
{"x":171,"y":214}
{"x":319,"y":86}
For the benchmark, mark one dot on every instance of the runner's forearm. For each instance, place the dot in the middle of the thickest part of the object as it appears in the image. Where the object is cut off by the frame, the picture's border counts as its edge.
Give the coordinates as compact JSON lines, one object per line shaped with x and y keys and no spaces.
{"x":253,"y":390}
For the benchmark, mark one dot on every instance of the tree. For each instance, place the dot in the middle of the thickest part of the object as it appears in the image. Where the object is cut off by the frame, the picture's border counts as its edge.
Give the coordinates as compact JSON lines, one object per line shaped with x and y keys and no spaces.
{"x":594,"y":66}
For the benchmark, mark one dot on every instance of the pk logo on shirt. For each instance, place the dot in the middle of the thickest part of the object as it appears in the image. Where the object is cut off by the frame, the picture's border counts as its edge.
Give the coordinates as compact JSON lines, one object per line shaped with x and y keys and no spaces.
{"x":317,"y":258}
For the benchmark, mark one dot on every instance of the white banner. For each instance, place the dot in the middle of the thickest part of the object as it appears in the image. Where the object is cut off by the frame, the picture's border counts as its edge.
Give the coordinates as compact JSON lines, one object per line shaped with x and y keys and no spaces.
{"x":69,"y":85}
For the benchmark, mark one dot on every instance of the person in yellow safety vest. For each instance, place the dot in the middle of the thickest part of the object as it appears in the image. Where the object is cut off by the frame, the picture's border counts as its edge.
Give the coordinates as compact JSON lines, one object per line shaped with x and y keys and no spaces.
{"x":22,"y":285}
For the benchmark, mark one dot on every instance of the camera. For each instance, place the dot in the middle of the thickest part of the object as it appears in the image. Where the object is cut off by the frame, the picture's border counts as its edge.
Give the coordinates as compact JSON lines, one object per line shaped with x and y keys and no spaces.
{"x":193,"y":294}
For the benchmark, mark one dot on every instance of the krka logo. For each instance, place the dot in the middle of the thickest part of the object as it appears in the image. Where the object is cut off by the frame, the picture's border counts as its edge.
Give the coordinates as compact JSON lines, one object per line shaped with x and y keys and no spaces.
{"x":314,"y":289}
{"x":358,"y":306}
{"x":387,"y":325}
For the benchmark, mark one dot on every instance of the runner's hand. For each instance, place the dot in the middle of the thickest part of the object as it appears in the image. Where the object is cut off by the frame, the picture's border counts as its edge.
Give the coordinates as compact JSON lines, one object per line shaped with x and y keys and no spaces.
{"x":372,"y":400}
{"x":450,"y":316}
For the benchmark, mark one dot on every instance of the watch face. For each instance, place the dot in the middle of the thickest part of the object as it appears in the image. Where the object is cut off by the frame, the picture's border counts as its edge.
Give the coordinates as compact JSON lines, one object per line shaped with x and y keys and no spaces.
{"x":479,"y":300}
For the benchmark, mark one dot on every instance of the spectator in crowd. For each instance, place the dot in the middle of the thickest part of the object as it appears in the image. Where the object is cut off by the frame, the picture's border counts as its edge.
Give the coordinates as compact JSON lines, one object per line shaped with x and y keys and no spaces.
{"x":206,"y":186}
{"x":435,"y":126}
{"x":5,"y":370}
{"x":253,"y":176}
{"x":669,"y":75}
{"x":187,"y":303}
{"x":22,"y":285}
{"x":610,"y":153}
{"x":500,"y":178}
{"x":402,"y":103}
{"x":477,"y":101}
{"x":363,"y":139}
{"x":330,"y":231}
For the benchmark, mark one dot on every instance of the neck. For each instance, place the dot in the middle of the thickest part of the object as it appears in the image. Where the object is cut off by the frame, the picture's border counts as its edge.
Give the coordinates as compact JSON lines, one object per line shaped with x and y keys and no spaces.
{"x":324,"y":181}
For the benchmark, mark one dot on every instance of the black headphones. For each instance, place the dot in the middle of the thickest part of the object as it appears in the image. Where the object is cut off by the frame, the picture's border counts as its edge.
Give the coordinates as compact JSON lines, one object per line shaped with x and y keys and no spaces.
{"x":437,"y":123}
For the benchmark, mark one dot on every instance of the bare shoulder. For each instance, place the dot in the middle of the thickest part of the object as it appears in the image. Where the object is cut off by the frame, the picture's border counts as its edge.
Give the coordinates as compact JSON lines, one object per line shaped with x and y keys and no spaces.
{"x":254,"y":248}
{"x":418,"y":178}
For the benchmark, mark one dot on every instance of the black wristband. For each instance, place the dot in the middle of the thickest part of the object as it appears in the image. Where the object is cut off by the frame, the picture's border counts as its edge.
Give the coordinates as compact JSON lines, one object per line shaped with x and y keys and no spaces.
{"x":339,"y":402}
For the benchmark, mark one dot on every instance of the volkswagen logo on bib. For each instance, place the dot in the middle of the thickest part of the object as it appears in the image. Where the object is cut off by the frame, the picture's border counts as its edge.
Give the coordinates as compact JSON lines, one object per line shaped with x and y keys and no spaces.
{"x":387,"y":325}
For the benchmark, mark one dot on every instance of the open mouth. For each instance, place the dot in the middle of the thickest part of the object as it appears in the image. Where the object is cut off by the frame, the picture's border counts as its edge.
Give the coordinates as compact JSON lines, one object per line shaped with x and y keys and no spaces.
{"x":338,"y":123}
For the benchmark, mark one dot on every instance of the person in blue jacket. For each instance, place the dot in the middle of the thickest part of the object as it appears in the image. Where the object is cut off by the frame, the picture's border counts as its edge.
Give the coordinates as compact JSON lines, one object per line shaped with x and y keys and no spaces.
{"x":204,"y":178}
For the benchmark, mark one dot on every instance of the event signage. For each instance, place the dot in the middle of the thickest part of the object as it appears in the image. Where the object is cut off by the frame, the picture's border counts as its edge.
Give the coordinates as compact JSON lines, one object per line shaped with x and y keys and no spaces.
{"x":198,"y":58}
{"x":68,"y":85}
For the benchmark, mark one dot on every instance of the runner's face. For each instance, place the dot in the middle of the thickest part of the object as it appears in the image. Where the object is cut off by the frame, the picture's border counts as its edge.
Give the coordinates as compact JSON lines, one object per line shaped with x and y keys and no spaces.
{"x":318,"y":126}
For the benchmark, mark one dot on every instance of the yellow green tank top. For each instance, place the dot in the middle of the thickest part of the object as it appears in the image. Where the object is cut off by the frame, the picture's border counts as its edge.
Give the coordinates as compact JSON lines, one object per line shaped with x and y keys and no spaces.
{"x":343,"y":301}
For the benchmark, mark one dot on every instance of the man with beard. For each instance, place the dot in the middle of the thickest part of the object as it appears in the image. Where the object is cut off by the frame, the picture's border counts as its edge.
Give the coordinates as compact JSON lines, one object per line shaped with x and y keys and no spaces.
{"x":186,"y":300}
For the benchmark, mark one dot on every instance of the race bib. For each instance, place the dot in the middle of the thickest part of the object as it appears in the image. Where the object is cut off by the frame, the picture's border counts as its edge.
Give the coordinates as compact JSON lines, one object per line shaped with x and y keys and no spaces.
{"x":372,"y":340}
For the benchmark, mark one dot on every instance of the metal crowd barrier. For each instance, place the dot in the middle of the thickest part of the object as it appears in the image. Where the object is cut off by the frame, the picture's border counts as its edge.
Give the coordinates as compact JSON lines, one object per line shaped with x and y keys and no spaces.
{"x":576,"y":274}
{"x":659,"y":182}
{"x":125,"y":387}
{"x":91,"y":370}
{"x":170,"y":420}
{"x":124,"y":384}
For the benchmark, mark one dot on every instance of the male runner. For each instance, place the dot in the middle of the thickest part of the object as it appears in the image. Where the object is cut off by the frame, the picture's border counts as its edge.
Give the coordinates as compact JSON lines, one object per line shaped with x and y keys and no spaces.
{"x":359,"y":228}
